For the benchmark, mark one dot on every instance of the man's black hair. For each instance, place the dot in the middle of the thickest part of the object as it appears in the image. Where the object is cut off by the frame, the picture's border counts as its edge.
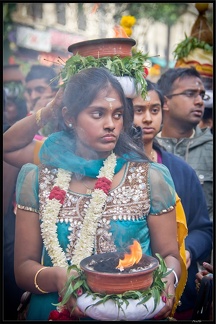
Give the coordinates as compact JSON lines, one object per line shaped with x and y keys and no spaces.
{"x":167,"y":79}
{"x":38,"y":71}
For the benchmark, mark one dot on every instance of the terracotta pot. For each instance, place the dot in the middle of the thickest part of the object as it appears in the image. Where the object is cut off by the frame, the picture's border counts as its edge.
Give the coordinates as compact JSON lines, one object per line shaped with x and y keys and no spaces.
{"x":104,"y":47}
{"x":120,"y":282}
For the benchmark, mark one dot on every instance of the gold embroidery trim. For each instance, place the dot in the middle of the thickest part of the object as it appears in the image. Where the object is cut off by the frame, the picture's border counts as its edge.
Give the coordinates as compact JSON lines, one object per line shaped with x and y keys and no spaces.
{"x":28,"y":208}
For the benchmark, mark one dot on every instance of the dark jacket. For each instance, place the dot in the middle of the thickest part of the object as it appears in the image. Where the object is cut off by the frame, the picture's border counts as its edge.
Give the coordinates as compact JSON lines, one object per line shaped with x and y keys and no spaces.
{"x":198,"y":153}
{"x":199,"y":239}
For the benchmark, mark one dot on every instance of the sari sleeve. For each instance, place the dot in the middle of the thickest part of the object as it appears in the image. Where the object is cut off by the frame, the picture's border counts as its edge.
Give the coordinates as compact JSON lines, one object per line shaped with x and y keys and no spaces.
{"x":27,"y":188}
{"x":162,"y":189}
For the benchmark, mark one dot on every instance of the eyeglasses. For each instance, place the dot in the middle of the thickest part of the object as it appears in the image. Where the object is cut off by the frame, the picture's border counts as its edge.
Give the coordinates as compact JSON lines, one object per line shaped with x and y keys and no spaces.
{"x":191,"y":94}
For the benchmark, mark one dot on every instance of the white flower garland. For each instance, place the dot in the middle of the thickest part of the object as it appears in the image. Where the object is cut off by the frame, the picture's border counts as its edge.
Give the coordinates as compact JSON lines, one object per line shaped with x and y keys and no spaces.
{"x":49,"y":222}
{"x":85,"y":243}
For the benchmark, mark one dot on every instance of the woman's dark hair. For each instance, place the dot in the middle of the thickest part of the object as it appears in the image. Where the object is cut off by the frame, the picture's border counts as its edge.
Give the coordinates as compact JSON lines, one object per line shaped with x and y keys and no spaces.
{"x":153,"y":86}
{"x":81,"y":91}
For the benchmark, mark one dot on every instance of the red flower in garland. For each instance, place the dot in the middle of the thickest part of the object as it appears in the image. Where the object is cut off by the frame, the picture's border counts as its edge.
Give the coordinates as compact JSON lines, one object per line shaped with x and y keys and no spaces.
{"x":54,"y":315}
{"x":58,"y":194}
{"x":104,"y":184}
{"x":64,"y":315}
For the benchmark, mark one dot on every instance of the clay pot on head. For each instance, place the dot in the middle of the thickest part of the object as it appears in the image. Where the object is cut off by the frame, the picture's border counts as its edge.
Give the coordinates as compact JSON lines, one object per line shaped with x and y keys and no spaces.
{"x":104,"y":47}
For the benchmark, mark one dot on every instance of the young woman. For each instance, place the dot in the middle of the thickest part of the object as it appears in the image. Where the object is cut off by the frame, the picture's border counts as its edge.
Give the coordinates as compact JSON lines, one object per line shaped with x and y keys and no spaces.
{"x":198,"y":243}
{"x":61,"y":216}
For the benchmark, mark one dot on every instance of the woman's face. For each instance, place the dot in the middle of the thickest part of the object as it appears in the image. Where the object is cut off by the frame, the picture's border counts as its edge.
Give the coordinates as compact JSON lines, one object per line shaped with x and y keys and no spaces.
{"x":148,"y":115}
{"x":98,"y":126}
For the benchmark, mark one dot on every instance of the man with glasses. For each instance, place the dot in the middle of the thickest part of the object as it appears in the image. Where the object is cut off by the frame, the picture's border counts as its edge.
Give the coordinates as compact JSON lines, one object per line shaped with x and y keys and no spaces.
{"x":184,"y":104}
{"x":185,"y":98}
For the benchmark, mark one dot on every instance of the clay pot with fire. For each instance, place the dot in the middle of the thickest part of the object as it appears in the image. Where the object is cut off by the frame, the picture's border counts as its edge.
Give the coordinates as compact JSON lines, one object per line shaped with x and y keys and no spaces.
{"x":115,"y":273}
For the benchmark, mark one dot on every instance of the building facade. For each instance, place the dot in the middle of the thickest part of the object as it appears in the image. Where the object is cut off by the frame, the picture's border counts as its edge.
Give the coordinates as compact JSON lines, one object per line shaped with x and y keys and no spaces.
{"x":42,"y":32}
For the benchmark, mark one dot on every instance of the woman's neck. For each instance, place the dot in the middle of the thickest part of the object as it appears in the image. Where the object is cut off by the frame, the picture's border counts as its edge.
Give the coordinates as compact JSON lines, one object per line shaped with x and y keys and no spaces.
{"x":148,"y":148}
{"x":89,"y":154}
{"x":150,"y":152}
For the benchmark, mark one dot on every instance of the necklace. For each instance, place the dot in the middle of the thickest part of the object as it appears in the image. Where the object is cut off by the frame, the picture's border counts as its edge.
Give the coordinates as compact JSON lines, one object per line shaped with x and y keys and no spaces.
{"x":152,"y":154}
{"x":55,"y":200}
{"x":89,"y":189}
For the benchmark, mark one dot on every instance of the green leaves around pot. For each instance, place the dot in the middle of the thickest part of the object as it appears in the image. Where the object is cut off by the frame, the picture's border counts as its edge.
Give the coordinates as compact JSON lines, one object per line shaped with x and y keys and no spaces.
{"x":78,"y":283}
{"x":188,"y":44}
{"x":132,"y":66}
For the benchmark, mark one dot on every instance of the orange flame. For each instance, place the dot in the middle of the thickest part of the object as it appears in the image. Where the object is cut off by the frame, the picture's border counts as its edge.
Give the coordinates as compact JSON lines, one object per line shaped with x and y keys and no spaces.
{"x":119,"y":32}
{"x":131,"y":258}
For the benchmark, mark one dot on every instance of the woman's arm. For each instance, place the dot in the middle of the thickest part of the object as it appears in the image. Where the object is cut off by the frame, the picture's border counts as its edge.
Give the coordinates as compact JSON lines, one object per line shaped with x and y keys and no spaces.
{"x":27,"y":256}
{"x":18,"y":143}
{"x":9,"y":182}
{"x":27,"y":260}
{"x":163,"y":236}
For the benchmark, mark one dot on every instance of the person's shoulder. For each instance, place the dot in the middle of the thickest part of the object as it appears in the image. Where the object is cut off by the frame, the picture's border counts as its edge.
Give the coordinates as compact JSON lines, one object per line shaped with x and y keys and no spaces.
{"x":176,"y":163}
{"x":155,"y":167}
{"x":28,"y":169}
{"x":204,"y":134}
{"x":174,"y":159}
{"x":29,"y":166}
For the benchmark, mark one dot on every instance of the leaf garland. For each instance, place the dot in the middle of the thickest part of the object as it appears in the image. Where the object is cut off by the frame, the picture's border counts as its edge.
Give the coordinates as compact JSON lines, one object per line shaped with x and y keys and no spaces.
{"x":189,"y":44}
{"x":77,"y":282}
{"x":132,"y":66}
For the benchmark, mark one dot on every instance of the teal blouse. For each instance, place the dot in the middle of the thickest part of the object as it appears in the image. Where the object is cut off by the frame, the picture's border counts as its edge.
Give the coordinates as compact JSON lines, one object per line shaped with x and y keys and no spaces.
{"x":146,"y":189}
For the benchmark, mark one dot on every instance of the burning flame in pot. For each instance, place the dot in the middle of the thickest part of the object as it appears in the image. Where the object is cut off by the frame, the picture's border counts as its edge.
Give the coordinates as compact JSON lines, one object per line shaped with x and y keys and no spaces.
{"x":131,"y":258}
{"x":119,"y":32}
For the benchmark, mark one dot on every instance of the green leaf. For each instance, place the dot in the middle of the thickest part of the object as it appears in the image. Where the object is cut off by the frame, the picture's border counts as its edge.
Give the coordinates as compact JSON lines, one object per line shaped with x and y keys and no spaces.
{"x":128,"y":66}
{"x":79,"y":281}
{"x":189,"y":44}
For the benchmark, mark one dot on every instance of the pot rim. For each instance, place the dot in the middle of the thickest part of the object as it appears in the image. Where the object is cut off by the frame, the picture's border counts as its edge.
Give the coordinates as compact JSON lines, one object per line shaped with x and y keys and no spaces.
{"x":102,"y":41}
{"x":84,"y":264}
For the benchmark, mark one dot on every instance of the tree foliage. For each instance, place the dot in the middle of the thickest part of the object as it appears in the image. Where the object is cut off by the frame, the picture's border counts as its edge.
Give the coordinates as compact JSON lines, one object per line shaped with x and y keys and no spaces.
{"x":167,"y":13}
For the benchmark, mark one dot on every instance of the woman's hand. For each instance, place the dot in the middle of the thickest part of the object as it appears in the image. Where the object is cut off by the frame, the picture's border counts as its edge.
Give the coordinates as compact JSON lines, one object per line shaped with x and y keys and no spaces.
{"x":51,"y":102}
{"x":56,"y":103}
{"x":168,"y":296}
{"x":71,"y":303}
{"x":73,"y":309}
{"x":207,"y":271}
{"x":188,"y":259}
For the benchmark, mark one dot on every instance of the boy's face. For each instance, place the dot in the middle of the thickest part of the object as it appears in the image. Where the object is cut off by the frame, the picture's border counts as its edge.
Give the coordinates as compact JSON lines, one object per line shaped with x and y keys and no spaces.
{"x":35,"y":90}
